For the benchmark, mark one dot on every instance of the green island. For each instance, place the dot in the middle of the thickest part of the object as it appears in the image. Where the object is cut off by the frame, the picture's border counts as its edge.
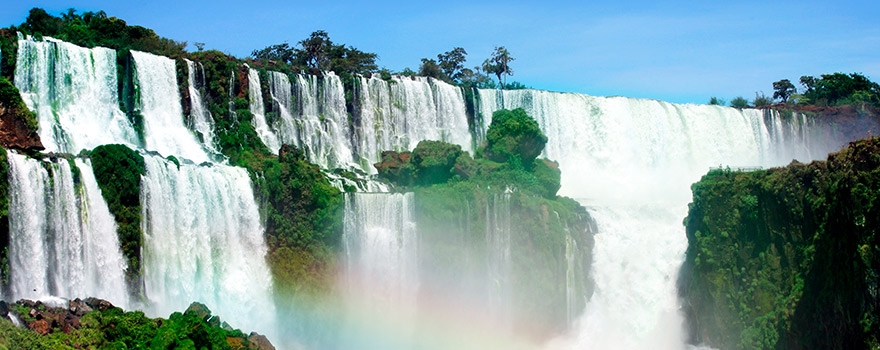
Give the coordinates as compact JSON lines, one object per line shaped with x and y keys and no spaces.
{"x":787,"y":257}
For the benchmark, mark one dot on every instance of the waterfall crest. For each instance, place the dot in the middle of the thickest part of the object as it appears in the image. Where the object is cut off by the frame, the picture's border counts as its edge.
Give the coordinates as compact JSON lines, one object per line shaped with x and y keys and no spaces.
{"x":73,"y":91}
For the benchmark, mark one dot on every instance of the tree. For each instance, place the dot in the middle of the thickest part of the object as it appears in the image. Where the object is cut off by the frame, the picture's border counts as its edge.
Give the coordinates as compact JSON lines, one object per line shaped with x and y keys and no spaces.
{"x":715,"y":101}
{"x":499,"y":64}
{"x":279,"y":53}
{"x":430,"y":68}
{"x":761,"y":100}
{"x":739,"y":102}
{"x":515,"y":138}
{"x":838,"y":88}
{"x":314,"y":50}
{"x":452,"y":63}
{"x":783,"y":89}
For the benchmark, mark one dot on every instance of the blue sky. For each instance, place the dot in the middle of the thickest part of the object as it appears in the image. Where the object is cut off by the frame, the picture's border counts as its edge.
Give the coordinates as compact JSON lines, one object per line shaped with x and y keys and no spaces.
{"x":677,"y":51}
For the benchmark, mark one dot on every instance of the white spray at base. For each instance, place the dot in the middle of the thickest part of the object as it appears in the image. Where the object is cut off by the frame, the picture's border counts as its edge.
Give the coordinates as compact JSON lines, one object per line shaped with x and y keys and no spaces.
{"x":203,"y":241}
{"x":631,"y":163}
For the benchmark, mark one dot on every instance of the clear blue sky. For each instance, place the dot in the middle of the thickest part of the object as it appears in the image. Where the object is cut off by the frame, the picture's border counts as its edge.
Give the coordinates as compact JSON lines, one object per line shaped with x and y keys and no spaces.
{"x":678,"y":51}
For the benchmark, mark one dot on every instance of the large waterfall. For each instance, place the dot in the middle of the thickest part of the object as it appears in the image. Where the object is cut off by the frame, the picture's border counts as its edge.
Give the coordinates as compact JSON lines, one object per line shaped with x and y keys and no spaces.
{"x":63,"y":238}
{"x":203,"y":236}
{"x":73,"y":91}
{"x":203,"y":241}
{"x":631,"y":162}
{"x":397,"y":114}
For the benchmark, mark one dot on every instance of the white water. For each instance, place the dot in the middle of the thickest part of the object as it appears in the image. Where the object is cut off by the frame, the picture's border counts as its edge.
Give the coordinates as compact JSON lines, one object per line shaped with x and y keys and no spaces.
{"x":63,"y":237}
{"x":73,"y":90}
{"x":631,"y":162}
{"x":200,"y":120}
{"x":164,"y":130}
{"x":381,"y":275}
{"x":258,"y":110}
{"x":396,"y":115}
{"x":203,"y":241}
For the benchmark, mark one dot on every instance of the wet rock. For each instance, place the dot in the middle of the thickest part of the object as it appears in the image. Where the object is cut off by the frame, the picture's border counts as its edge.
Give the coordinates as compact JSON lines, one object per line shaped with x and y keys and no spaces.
{"x":43,"y":327}
{"x":258,"y":341}
{"x":99,"y":304}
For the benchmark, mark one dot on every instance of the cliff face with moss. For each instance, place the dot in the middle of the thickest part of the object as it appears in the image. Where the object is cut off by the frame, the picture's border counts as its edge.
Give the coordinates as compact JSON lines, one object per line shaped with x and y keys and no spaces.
{"x":500,"y":206}
{"x":787,"y":258}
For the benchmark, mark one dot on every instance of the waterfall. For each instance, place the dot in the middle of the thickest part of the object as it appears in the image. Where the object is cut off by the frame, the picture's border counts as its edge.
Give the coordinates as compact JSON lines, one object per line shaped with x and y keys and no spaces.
{"x":200,"y":121}
{"x":323,"y":120}
{"x":164,"y":130}
{"x":258,"y":112}
{"x":631,"y":162}
{"x":498,"y":241}
{"x":397,"y":114}
{"x":62,"y":236}
{"x":203,"y":241}
{"x":381,"y":257}
{"x":73,"y":91}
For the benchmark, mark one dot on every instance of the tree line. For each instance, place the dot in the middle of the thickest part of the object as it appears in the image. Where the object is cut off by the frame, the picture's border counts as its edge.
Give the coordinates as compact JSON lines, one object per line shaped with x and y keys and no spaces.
{"x":826,"y":90}
{"x":318,"y":53}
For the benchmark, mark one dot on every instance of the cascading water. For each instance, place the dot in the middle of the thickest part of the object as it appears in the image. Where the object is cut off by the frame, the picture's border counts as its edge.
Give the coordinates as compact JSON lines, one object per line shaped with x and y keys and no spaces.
{"x":397,"y":114}
{"x":203,"y":237}
{"x":381,"y":259}
{"x":635,"y":160}
{"x":203,"y":241}
{"x":258,"y":110}
{"x":498,"y":240}
{"x":200,"y":119}
{"x":63,"y":237}
{"x":73,"y":91}
{"x":164,"y":130}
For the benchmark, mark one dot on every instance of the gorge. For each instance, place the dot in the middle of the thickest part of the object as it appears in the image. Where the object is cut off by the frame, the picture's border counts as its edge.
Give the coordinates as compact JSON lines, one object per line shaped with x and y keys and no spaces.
{"x":409,"y":268}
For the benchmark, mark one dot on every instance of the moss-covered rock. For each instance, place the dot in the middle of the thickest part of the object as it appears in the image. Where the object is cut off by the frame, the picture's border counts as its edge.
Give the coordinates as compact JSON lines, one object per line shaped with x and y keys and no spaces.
{"x":18,"y":125}
{"x":787,"y":257}
{"x":118,"y":170}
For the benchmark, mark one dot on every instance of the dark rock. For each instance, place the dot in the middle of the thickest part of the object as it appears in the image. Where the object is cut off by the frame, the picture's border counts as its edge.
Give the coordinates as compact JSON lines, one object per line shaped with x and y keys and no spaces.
{"x":396,"y":167}
{"x":4,"y":309}
{"x":79,"y":307}
{"x":99,"y":304}
{"x":42,"y":327}
{"x":259,"y":342}
{"x":200,"y":310}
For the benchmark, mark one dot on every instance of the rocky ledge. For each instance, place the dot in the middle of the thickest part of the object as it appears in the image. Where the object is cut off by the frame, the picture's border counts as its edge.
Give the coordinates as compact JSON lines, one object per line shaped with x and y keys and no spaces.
{"x":64,"y":319}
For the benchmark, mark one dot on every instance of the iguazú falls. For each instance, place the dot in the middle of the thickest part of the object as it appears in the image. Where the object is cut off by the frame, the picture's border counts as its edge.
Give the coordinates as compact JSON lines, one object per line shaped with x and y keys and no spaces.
{"x":158,"y":186}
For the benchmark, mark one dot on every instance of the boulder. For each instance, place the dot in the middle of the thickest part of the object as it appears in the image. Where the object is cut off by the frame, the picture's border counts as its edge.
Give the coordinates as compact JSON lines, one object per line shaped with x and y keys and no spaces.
{"x":258,"y":341}
{"x":42,"y":327}
{"x":99,"y":304}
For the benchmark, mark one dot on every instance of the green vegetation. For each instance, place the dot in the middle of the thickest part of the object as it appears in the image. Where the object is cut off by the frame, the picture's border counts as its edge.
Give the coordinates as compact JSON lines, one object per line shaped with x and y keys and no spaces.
{"x":783,"y":89}
{"x":10,"y":99}
{"x":827,"y":90}
{"x":499,"y":64}
{"x":114,"y":328}
{"x":515,"y":138}
{"x":841,"y":89}
{"x":786,"y":258}
{"x":92,"y":29}
{"x":118,"y":170}
{"x":461,"y":206}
